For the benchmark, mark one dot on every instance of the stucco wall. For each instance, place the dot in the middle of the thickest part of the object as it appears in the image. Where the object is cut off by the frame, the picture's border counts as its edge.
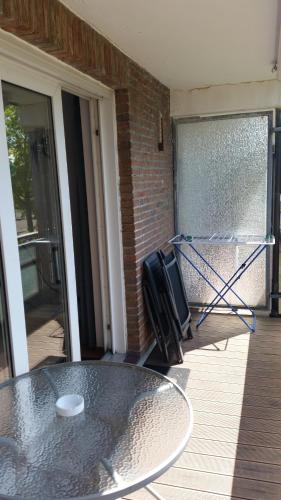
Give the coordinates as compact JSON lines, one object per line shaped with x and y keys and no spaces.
{"x":220,"y":99}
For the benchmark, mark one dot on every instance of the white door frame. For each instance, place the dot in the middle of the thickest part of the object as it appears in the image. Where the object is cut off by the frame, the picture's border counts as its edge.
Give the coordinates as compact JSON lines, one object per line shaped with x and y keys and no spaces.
{"x":29,"y":67}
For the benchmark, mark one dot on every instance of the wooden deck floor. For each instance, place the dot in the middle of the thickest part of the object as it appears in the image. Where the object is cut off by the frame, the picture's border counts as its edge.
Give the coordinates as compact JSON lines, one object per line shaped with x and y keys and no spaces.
{"x":235,"y":388}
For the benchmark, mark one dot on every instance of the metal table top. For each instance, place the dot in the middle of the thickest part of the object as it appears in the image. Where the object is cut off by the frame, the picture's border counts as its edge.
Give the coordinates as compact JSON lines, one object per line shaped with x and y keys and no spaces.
{"x":135,"y":425}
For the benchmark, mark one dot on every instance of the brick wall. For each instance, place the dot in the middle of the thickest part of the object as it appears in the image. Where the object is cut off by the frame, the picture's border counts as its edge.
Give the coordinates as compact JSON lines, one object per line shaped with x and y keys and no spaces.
{"x":146,"y":177}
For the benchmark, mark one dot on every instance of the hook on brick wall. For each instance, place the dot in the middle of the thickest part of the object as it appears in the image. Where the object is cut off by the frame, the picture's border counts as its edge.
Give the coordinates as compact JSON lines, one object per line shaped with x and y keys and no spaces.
{"x":161,"y":135}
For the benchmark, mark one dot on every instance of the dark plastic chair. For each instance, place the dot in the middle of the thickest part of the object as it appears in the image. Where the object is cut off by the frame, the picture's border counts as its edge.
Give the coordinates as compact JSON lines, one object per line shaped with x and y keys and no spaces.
{"x":159,"y":305}
{"x":176,"y":286}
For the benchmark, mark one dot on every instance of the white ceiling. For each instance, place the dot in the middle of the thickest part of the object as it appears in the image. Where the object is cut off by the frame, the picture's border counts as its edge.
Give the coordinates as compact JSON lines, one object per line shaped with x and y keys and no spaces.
{"x":190,"y":43}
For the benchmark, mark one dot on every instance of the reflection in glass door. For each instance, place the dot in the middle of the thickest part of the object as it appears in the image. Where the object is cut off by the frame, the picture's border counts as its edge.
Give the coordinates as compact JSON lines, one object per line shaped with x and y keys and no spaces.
{"x":5,"y":368}
{"x":31,"y":149}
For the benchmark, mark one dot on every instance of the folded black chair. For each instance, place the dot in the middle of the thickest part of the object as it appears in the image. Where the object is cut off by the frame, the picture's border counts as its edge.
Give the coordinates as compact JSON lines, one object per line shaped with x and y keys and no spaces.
{"x":176,"y":286}
{"x":160,"y":307}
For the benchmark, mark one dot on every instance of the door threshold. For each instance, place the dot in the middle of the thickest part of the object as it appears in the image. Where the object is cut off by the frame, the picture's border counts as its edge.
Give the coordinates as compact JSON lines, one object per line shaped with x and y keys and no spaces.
{"x":95,"y":354}
{"x":115,"y":358}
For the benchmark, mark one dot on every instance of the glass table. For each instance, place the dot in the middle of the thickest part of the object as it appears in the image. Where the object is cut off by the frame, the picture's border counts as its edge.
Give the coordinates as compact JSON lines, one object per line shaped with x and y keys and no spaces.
{"x":134,"y":426}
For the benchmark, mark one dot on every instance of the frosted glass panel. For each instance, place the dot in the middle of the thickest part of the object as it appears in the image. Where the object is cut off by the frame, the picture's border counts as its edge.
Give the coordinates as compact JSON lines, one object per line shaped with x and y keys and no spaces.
{"x":222,"y":170}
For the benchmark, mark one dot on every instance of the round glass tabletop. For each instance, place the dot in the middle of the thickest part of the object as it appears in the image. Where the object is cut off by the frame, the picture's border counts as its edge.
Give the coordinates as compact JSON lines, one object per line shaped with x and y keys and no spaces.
{"x":135,"y":424}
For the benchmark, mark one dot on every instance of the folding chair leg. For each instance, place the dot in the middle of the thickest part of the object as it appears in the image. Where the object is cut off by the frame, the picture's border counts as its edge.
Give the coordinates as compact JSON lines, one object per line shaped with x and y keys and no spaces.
{"x":178,"y":348}
{"x":189,"y":333}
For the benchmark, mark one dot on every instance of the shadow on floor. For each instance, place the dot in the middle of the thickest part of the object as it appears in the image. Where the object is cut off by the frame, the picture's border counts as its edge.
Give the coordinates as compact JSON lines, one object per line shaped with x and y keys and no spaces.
{"x":258,"y":452}
{"x":156,"y":363}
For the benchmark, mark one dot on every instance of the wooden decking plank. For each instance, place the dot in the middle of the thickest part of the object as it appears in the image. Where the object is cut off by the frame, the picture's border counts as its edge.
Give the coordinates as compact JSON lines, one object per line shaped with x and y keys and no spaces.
{"x":221,"y":346}
{"x":257,"y":338}
{"x":233,"y":409}
{"x":236,"y":435}
{"x":230,"y":467}
{"x":248,"y":362}
{"x":227,"y":320}
{"x":262,"y":332}
{"x":237,"y":399}
{"x":229,"y":331}
{"x":235,"y":370}
{"x":221,"y":484}
{"x":235,"y":450}
{"x":218,"y":376}
{"x":264,"y":329}
{"x":237,"y":357}
{"x":233,"y":421}
{"x":231,"y":388}
{"x":175,"y":493}
{"x":235,"y":343}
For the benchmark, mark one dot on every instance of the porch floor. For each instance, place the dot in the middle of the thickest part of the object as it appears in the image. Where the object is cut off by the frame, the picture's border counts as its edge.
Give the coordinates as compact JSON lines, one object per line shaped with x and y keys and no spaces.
{"x":234,"y":383}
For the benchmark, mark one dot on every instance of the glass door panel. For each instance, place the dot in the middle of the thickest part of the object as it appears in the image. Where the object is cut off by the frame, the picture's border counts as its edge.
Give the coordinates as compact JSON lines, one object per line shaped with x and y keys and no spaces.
{"x":5,"y":367}
{"x":31,"y":150}
{"x":223,"y":186}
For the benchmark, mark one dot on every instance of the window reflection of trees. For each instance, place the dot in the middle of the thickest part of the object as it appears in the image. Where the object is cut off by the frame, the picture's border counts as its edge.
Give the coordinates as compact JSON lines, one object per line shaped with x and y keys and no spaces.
{"x":21,"y":169}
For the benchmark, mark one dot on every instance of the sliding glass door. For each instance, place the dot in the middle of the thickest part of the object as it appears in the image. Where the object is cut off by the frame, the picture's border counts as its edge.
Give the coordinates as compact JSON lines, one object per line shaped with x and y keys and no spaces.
{"x":33,"y":170}
{"x":35,"y":229}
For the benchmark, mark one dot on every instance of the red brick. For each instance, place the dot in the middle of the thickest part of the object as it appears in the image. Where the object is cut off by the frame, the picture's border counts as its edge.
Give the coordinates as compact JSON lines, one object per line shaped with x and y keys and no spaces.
{"x":146,"y":174}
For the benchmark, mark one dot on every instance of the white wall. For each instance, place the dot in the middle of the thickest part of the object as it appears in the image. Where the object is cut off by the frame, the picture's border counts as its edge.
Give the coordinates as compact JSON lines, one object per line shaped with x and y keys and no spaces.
{"x":220,"y":99}
{"x":191,"y":43}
